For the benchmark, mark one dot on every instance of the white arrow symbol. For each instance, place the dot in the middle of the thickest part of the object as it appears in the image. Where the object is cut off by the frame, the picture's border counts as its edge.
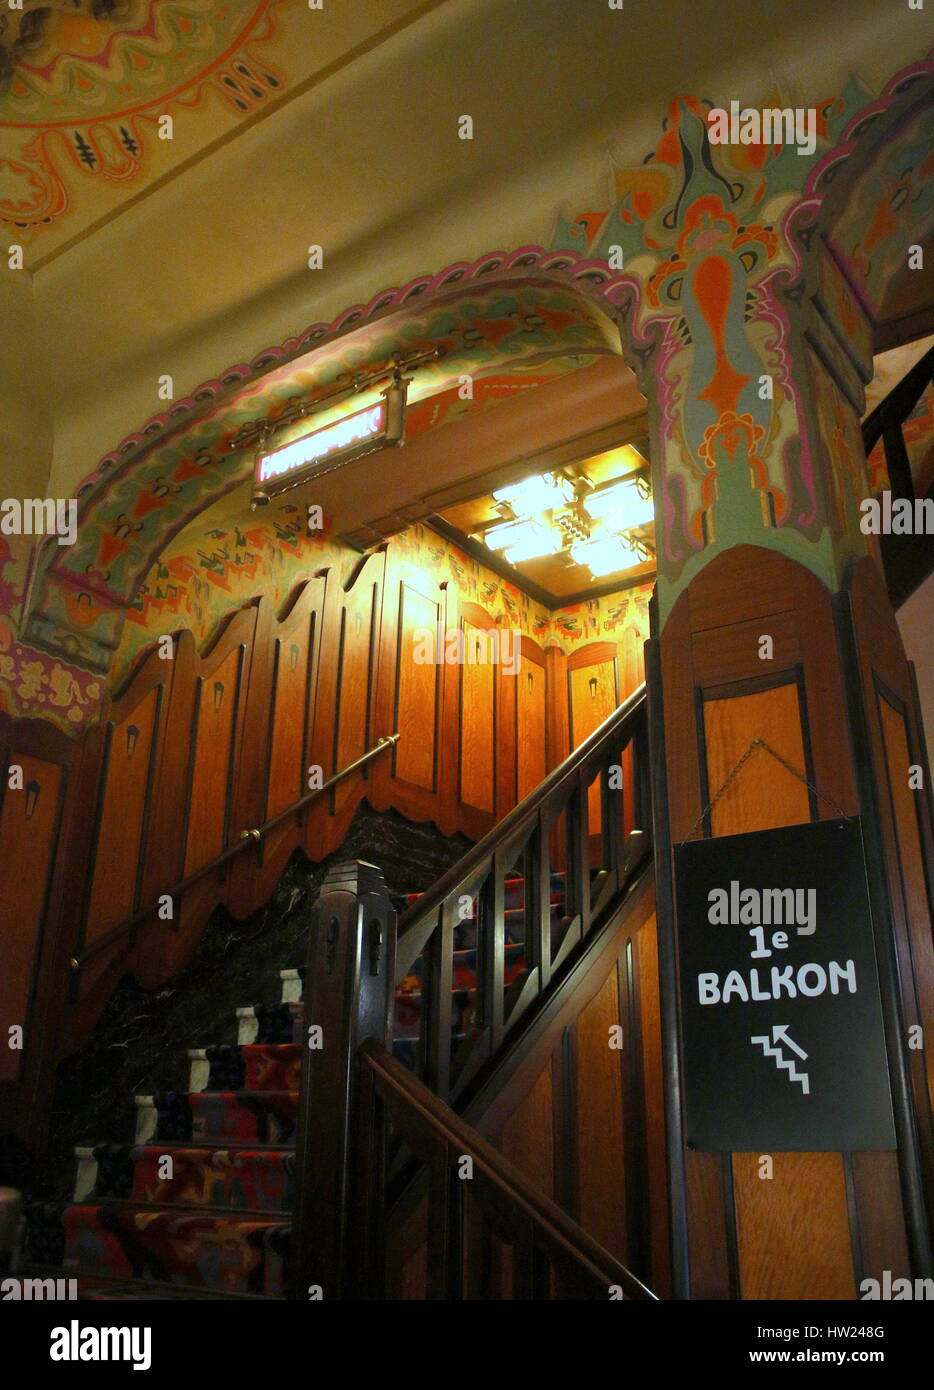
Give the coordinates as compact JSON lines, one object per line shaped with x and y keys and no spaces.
{"x":780,"y":1030}
{"x":771,"y":1049}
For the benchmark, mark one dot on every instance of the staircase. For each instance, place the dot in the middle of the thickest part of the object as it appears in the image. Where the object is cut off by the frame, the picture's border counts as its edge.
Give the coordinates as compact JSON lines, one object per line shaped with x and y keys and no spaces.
{"x":267,"y":1177}
{"x":215,"y":1221}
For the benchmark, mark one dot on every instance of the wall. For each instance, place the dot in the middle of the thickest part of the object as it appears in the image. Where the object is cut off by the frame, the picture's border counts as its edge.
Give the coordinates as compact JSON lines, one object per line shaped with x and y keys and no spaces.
{"x":196,"y":749}
{"x":25,"y":421}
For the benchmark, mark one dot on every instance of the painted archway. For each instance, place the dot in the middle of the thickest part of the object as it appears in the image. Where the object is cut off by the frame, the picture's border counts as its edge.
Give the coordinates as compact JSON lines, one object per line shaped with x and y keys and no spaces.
{"x":718,"y":246}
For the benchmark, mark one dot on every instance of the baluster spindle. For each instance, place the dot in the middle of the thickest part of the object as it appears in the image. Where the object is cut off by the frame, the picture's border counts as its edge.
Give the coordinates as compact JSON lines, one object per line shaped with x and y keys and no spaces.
{"x":437,"y":1005}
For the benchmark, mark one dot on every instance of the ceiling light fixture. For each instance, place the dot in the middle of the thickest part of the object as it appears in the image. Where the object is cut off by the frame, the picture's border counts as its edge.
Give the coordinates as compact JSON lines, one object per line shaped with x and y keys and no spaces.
{"x":523,"y":540}
{"x":604,"y":556}
{"x":622,"y":506}
{"x":541,"y":493}
{"x":553,"y":514}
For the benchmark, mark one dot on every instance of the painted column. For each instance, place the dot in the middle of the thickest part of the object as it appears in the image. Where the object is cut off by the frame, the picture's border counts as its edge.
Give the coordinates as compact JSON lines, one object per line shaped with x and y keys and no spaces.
{"x":751,"y":331}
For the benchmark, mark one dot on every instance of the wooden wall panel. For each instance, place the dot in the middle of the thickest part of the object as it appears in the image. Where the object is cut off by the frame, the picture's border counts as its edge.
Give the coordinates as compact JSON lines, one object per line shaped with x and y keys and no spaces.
{"x":719,"y":695}
{"x":290,"y":711}
{"x":45,"y":828}
{"x":570,"y":1116}
{"x":527,"y":1139}
{"x":418,"y":688}
{"x":477,"y":750}
{"x":29,"y":823}
{"x":593,"y":695}
{"x":531,"y":716}
{"x":481,"y":702}
{"x":793,"y":1232}
{"x":763,"y":794}
{"x":601,"y":1143}
{"x":354,"y":666}
{"x":129,"y":766}
{"x":212,"y":763}
{"x":416,"y":698}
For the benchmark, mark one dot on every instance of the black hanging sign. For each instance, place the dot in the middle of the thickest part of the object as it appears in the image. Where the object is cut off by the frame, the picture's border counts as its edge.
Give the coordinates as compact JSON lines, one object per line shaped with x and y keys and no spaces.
{"x":781,"y":1018}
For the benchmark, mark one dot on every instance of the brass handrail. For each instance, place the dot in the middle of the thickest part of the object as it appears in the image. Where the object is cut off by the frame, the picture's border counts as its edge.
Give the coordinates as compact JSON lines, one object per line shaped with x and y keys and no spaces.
{"x":246,"y":838}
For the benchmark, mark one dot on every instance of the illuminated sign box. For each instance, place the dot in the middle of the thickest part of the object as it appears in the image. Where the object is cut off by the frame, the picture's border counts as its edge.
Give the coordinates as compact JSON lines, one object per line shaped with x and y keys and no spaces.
{"x":378,"y":426}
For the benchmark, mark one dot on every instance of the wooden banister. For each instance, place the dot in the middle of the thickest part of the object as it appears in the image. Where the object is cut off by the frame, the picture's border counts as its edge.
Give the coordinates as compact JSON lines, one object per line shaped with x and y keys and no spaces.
{"x":557,"y":780}
{"x":907,"y":559}
{"x":886,"y":421}
{"x":547,"y":832}
{"x":351,"y":1085}
{"x":543,"y":1237}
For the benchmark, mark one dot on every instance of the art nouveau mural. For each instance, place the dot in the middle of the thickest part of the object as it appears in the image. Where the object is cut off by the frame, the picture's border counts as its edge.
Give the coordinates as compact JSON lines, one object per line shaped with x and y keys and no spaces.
{"x":718,"y":264}
{"x":81,"y":111}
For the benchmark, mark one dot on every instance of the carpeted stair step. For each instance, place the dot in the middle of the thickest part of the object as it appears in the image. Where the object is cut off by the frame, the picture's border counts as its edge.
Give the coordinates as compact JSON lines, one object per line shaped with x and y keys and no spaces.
{"x":269,"y":1023}
{"x":241,"y":1179}
{"x":214,"y":1223}
{"x":245,"y":1067}
{"x":204,"y":1249}
{"x":218,"y":1117}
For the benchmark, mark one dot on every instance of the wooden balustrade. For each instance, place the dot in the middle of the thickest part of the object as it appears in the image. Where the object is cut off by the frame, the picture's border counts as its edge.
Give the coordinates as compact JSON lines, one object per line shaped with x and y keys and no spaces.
{"x":552,"y":1256}
{"x":355,"y":1095}
{"x":907,"y":559}
{"x":522,"y":845}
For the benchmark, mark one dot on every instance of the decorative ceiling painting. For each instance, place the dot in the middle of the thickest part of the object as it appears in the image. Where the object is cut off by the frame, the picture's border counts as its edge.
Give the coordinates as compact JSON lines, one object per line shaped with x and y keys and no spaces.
{"x":85,"y":83}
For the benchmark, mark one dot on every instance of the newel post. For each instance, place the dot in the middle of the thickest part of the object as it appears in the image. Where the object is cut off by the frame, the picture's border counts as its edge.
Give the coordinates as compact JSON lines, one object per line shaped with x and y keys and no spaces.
{"x":348,"y":995}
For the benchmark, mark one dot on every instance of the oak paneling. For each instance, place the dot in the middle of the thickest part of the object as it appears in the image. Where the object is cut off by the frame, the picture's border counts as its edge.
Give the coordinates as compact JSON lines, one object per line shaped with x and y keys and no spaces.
{"x":477,"y":719}
{"x":793,"y":1228}
{"x":650,"y":1038}
{"x":212,"y":768}
{"x":354,"y":666}
{"x":601,"y":1143}
{"x":527,"y":1138}
{"x":421,"y":620}
{"x":291,"y":709}
{"x":593,"y":695}
{"x":531,"y":752}
{"x":751,"y":1237}
{"x":763,"y":794}
{"x":416,"y":697}
{"x":129,"y":765}
{"x":29,"y":820}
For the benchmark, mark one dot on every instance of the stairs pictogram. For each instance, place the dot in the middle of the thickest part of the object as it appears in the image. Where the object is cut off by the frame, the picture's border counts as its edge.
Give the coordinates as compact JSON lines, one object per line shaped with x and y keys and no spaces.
{"x":771,"y":1049}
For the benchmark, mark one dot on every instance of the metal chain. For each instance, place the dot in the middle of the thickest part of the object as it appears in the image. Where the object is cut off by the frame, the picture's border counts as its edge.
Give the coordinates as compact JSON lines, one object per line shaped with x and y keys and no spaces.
{"x":761,"y":743}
